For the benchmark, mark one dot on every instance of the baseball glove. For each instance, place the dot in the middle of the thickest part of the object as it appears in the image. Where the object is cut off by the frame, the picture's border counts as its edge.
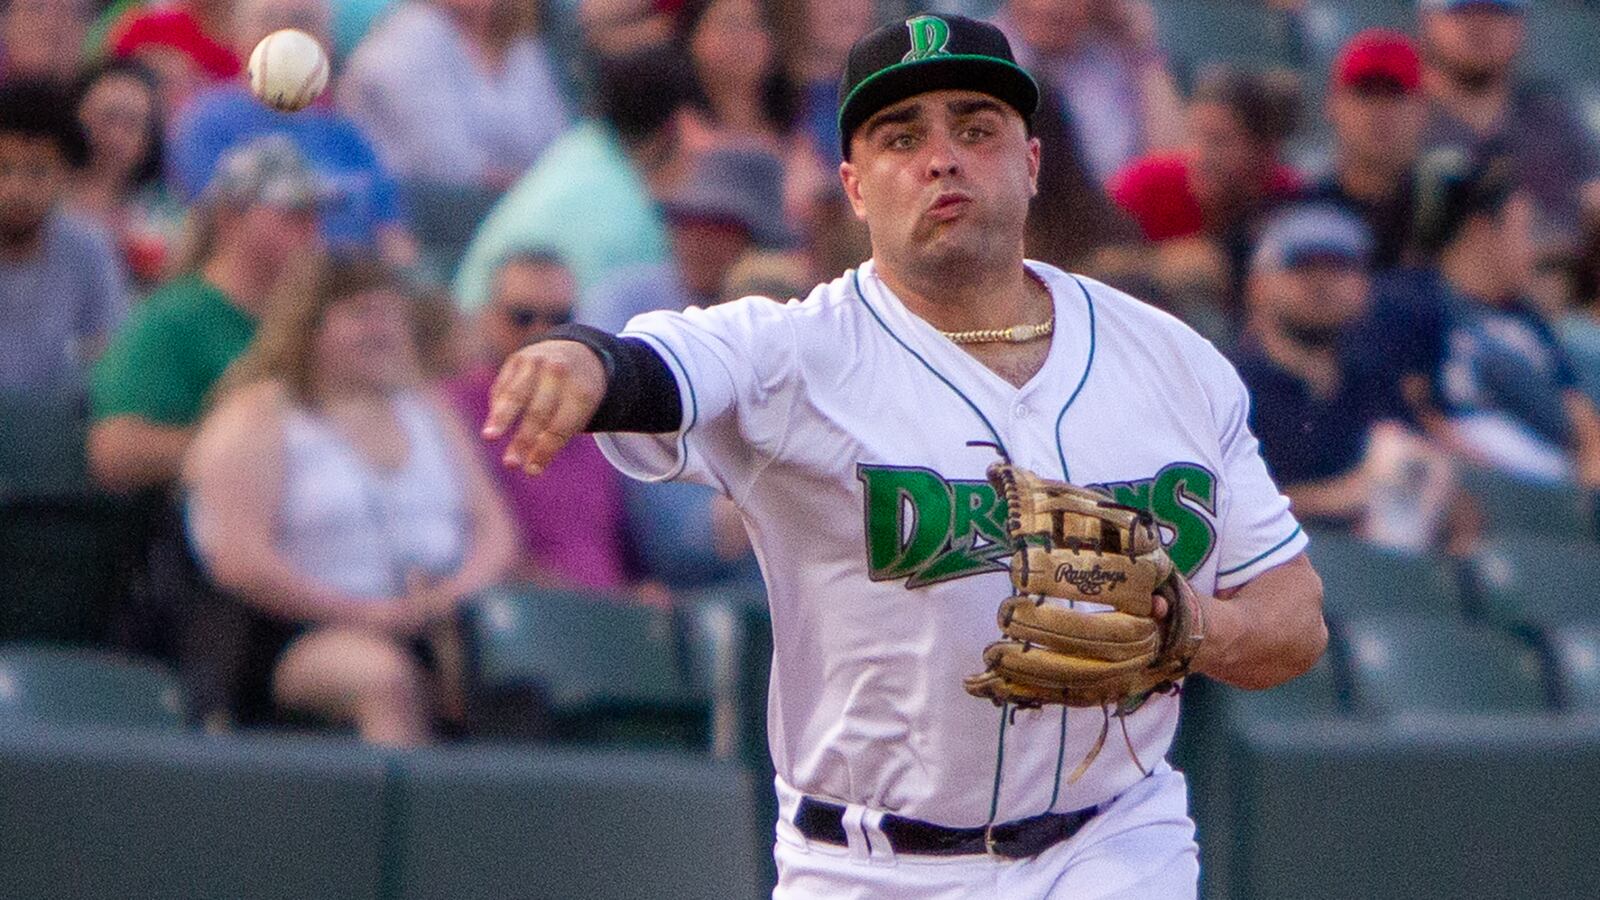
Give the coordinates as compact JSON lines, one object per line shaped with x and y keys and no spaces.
{"x":1071,"y":545}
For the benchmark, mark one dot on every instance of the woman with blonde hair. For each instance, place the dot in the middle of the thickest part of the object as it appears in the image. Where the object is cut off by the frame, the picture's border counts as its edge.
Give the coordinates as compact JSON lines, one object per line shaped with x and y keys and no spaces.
{"x":339,"y":499}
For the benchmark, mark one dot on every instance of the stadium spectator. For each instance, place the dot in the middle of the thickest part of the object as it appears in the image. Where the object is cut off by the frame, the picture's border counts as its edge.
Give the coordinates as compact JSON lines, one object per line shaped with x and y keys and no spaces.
{"x":451,"y":91}
{"x":353,"y":20}
{"x":569,"y":518}
{"x":1579,"y":327}
{"x":1104,"y":98}
{"x":589,"y":200}
{"x":1200,"y":203}
{"x":149,"y":387}
{"x":1238,"y":122}
{"x":121,"y":186}
{"x":818,"y":34}
{"x":1506,"y":390}
{"x":1102,"y":68}
{"x":186,"y":49}
{"x":360,"y":205}
{"x":744,"y":82}
{"x":341,"y":501}
{"x":62,"y":289}
{"x":614,"y":29}
{"x":43,"y":39}
{"x":1470,"y":51}
{"x":730,"y":205}
{"x":1318,"y":382}
{"x":1377,"y":110}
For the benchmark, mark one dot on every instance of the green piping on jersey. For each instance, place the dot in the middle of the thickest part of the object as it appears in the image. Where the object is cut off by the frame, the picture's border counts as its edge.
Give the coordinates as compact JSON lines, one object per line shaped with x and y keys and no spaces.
{"x":999,"y":762}
{"x":1274,"y":549}
{"x":1060,"y":448}
{"x":855,"y":278}
{"x":694,"y":407}
{"x":1061,"y":755}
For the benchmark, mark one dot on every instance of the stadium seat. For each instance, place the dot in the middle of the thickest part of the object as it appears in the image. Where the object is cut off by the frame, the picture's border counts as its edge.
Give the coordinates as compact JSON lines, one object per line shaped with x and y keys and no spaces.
{"x":1575,"y":658}
{"x":73,"y":686}
{"x":42,"y":444}
{"x":485,"y":824}
{"x":1343,"y":810}
{"x":97,"y":814}
{"x":1315,"y":695}
{"x":1561,"y":42}
{"x":1406,"y":664}
{"x":1512,"y":505}
{"x":1234,"y":31}
{"x":58,"y":567}
{"x":608,"y":668}
{"x":1531,"y":579}
{"x":1360,"y":577}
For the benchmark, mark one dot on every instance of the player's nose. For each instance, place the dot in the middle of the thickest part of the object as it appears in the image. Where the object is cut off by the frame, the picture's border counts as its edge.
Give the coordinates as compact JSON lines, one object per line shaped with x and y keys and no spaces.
{"x":942,"y":159}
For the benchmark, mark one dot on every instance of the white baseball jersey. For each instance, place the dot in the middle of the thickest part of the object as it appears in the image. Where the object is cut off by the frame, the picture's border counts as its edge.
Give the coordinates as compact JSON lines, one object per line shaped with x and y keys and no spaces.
{"x":841,"y":426}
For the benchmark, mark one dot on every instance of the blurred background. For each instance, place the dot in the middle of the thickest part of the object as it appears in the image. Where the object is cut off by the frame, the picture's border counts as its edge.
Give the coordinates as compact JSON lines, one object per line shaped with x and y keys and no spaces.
{"x":273,"y":623}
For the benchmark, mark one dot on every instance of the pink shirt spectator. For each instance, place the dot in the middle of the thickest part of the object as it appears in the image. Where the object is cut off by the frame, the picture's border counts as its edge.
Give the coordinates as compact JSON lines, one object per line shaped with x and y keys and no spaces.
{"x":570,"y":518}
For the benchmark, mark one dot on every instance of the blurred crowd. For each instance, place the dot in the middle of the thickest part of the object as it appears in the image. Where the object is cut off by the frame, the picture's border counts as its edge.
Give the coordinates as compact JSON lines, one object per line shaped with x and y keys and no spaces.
{"x":283,"y":327}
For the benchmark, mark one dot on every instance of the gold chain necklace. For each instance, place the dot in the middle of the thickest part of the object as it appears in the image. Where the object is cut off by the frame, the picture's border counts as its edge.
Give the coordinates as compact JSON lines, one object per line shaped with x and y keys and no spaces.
{"x":1016,"y":334}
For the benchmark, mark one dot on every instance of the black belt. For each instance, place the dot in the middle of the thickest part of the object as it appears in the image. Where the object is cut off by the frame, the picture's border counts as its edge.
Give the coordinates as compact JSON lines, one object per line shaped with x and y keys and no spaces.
{"x":820,"y":820}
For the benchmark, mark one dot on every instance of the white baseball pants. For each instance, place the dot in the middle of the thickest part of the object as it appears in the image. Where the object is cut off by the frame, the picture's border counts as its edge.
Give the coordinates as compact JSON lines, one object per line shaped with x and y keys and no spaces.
{"x":1140,"y":848}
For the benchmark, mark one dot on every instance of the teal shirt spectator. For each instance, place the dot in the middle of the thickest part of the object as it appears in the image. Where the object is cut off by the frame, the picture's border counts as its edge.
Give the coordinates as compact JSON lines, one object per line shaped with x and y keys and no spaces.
{"x":352,"y":19}
{"x":583,"y":201}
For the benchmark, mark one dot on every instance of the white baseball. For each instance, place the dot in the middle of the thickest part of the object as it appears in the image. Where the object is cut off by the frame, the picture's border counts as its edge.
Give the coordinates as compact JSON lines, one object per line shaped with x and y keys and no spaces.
{"x":288,"y":70}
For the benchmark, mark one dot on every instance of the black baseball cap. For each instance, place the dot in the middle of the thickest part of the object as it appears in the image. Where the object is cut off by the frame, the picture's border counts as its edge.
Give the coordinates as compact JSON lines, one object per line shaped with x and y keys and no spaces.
{"x":929,"y":53}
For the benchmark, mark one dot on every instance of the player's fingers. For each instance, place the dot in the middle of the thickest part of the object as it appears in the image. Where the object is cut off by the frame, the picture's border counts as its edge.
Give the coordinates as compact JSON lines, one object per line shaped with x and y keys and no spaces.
{"x":569,"y":417}
{"x":551,"y":387}
{"x":509,"y":396}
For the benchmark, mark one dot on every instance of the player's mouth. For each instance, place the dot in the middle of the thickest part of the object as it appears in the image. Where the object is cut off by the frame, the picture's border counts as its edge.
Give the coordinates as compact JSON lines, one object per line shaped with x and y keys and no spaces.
{"x":948,"y":205}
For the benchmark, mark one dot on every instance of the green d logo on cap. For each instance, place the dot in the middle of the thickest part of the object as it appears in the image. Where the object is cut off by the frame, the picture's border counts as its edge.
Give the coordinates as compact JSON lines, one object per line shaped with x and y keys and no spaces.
{"x":929,"y":37}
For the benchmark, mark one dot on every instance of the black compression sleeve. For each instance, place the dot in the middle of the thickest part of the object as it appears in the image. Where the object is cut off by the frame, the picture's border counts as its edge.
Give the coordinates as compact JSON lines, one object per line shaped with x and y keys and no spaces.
{"x":641,"y":393}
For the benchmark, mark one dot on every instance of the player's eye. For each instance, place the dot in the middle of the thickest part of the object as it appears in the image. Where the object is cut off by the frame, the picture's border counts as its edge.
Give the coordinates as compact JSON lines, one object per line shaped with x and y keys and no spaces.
{"x":901,"y":141}
{"x":975,"y":133}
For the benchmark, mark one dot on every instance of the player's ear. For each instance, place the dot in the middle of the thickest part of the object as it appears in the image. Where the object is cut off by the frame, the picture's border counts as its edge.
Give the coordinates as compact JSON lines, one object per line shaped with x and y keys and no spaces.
{"x":1033,"y":166}
{"x":852,"y":188}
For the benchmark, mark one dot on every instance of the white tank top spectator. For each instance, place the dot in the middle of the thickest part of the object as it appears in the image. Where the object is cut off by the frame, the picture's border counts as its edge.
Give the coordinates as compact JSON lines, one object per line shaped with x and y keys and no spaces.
{"x":347,"y":508}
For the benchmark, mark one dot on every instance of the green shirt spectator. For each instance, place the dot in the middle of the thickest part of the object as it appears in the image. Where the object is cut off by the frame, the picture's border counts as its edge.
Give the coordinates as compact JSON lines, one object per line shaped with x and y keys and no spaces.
{"x":174,"y":348}
{"x":256,"y":217}
{"x":582,"y":202}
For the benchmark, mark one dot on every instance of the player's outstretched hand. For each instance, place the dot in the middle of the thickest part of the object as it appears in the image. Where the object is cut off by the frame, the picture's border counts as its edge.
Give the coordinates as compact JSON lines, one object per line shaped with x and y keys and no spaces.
{"x":553,"y":388}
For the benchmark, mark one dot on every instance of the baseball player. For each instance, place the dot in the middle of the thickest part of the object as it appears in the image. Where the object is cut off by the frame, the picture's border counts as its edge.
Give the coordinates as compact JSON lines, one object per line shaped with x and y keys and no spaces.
{"x":855,"y":430}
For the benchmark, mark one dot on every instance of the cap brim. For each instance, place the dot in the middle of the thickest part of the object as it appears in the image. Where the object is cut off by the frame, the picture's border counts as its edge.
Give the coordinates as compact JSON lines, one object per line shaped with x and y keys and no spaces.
{"x":990,"y":75}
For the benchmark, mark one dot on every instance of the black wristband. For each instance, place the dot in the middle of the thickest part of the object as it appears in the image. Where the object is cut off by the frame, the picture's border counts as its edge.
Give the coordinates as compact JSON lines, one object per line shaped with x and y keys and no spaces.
{"x":641,"y":392}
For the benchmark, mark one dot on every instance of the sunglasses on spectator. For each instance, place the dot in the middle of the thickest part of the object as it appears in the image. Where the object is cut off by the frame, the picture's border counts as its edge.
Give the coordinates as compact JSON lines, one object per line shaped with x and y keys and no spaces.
{"x":525,"y":317}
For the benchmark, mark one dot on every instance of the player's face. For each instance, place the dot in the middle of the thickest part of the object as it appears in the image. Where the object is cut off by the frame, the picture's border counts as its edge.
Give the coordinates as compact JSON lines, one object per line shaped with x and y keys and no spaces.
{"x":1374,"y":124}
{"x":366,"y":342}
{"x":528,"y":300}
{"x":1478,"y":42}
{"x":943,"y":181}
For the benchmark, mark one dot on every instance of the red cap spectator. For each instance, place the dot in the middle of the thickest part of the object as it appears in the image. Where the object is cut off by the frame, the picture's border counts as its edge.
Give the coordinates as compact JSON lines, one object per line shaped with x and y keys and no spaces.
{"x":171,"y":42}
{"x":1379,"y":56}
